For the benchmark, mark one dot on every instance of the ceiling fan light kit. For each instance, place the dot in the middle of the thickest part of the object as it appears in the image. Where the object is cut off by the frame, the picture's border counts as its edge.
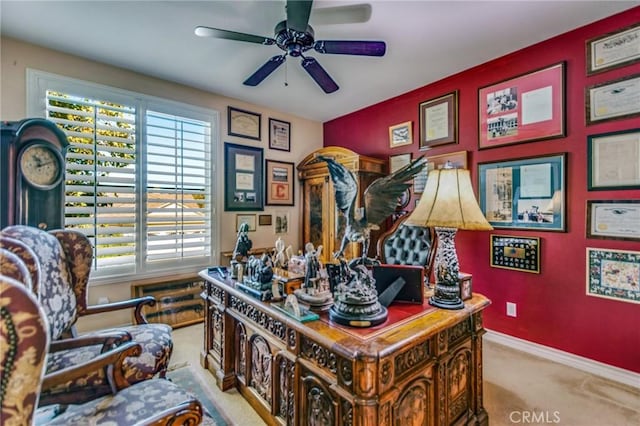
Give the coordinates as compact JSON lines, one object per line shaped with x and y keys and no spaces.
{"x":295,"y":37}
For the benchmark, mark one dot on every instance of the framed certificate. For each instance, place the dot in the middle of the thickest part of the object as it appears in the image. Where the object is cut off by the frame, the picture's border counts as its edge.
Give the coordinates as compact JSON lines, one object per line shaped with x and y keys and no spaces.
{"x":614,"y":160}
{"x":613,"y":50}
{"x":613,"y":219}
{"x":613,"y":100}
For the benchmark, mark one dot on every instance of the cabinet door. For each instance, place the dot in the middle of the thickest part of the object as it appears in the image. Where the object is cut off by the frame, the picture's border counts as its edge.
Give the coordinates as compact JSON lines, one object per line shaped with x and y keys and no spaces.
{"x":317,"y":220}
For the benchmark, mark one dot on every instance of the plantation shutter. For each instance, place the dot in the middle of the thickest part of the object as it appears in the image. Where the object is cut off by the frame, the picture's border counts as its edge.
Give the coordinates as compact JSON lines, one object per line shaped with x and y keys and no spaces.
{"x":101,"y":198}
{"x":178,"y":197}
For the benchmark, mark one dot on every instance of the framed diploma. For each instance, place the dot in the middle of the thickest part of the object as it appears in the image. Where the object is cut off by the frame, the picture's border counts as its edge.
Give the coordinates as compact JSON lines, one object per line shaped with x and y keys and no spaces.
{"x":527,"y":193}
{"x":245,"y":124}
{"x":613,"y":100}
{"x":613,"y":219}
{"x":439,"y":121}
{"x":525,"y":108}
{"x":613,"y":50}
{"x":279,"y":135}
{"x":614,"y":160}
{"x":243,"y":172}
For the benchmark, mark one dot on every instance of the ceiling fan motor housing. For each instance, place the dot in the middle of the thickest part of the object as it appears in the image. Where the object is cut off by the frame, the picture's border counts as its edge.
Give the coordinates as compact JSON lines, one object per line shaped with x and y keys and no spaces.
{"x":293,"y":42}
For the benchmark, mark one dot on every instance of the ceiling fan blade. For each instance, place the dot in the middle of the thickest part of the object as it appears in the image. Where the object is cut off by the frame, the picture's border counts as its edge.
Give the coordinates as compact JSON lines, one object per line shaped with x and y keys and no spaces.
{"x":298,"y":12}
{"x":351,"y":47}
{"x":351,"y":14}
{"x":232,"y":35}
{"x":265,"y":70}
{"x":319,"y":75}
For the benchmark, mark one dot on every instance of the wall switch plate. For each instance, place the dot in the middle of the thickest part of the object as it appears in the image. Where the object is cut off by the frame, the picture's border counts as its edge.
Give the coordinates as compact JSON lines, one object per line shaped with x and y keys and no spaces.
{"x":511,"y":309}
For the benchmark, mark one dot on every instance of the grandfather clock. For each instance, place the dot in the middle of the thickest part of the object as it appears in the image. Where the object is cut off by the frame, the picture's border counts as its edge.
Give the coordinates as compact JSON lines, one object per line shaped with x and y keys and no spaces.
{"x":32,"y":169}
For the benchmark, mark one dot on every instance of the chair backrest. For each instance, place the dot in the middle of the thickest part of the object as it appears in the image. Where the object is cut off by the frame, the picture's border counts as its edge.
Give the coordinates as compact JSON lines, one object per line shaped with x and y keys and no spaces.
{"x":55,"y":289}
{"x":25,"y":339}
{"x":79,"y":252}
{"x":28,"y":258}
{"x":13,"y":267}
{"x":407,"y":245}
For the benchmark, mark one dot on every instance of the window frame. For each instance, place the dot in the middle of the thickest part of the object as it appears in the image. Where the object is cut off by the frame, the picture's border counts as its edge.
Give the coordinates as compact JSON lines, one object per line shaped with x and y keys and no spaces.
{"x":38,"y":82}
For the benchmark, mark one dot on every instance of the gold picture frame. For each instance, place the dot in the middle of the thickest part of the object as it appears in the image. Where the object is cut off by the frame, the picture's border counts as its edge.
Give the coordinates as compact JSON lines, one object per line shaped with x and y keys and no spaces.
{"x":401,"y":134}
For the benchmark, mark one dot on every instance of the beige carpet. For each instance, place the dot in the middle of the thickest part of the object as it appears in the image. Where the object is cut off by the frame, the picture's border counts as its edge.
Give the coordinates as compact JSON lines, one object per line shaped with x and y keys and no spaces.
{"x":519,"y":389}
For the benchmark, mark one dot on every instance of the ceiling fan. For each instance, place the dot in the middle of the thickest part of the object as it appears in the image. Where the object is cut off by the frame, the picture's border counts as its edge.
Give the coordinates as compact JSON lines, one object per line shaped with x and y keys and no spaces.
{"x":295,"y":37}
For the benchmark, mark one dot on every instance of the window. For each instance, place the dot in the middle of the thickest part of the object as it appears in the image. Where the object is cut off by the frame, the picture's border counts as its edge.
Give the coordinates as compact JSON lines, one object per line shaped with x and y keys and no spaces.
{"x":138,"y":175}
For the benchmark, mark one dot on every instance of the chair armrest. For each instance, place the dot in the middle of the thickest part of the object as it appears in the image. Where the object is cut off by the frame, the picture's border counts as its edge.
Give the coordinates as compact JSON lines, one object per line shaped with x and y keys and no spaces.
{"x":187,"y":413}
{"x":107,"y":340}
{"x":137,"y":303}
{"x":111,"y":361}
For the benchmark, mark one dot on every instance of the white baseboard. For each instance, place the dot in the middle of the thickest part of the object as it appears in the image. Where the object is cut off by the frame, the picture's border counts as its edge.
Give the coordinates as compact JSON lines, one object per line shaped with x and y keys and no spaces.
{"x":606,"y":371}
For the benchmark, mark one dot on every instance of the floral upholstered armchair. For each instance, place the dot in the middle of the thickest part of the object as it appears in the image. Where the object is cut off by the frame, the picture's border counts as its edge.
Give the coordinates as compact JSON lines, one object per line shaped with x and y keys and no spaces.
{"x":60,"y":275}
{"x":24,"y":339}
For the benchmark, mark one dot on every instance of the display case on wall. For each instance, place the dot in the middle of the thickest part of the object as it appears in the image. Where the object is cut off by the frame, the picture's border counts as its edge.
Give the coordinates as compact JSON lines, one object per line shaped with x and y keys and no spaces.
{"x":322,"y":223}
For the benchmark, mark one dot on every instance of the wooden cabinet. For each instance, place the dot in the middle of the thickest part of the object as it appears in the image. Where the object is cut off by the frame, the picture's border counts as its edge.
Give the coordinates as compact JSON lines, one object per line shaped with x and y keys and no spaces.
{"x":423,"y":369}
{"x":178,"y":300}
{"x":322,"y":223}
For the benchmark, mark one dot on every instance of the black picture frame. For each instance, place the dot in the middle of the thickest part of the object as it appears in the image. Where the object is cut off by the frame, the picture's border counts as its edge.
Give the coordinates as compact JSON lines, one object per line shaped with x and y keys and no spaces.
{"x":244,"y":124}
{"x":279,"y":135}
{"x":244,"y":174}
{"x":611,"y":164}
{"x":515,"y":253}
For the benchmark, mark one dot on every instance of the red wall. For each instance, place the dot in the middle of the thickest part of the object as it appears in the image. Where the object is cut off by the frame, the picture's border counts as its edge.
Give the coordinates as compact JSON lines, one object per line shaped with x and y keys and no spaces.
{"x":553,"y":309}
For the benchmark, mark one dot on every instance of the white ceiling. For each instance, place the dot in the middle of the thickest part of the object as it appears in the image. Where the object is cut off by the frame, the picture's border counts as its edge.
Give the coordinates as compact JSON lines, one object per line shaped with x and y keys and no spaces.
{"x":426,"y":41}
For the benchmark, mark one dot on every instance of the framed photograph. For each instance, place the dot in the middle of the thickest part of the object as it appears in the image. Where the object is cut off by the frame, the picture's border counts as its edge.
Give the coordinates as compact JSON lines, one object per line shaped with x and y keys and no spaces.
{"x":400,"y":134}
{"x":515,"y":253}
{"x":279,"y":135}
{"x":456,"y":159}
{"x":249,"y":219}
{"x":465,"y":284}
{"x":439,"y":121}
{"x":398,"y":161}
{"x":613,"y":219}
{"x":264,"y":219}
{"x":243,"y":175}
{"x":526,"y":108}
{"x":613,"y":50}
{"x":281,"y":223}
{"x":245,"y":124}
{"x":613,"y":100}
{"x":613,"y":274}
{"x":280,"y":182}
{"x":527,"y":193}
{"x":614,"y":160}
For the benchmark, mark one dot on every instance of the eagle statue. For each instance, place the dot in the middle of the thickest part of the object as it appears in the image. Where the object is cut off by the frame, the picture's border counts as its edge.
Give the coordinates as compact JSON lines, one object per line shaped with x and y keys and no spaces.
{"x":380,"y":200}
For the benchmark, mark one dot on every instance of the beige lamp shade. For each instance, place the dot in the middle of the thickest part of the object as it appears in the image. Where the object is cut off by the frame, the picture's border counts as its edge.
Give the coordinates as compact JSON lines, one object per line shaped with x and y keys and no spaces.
{"x":448,"y":201}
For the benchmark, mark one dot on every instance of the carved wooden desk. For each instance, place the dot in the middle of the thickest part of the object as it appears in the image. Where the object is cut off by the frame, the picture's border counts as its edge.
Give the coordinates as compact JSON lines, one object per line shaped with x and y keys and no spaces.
{"x":424,"y":369}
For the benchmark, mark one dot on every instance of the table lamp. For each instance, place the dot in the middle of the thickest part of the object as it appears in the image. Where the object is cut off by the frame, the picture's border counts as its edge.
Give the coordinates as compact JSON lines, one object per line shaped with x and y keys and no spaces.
{"x":448,"y":203}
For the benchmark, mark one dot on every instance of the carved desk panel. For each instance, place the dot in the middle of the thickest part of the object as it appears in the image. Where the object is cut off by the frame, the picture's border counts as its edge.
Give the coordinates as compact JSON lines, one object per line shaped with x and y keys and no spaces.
{"x":422,"y":367}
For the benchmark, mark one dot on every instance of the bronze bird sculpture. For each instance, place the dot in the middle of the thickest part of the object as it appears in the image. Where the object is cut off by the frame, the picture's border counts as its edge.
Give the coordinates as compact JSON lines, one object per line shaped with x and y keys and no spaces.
{"x":380,"y":200}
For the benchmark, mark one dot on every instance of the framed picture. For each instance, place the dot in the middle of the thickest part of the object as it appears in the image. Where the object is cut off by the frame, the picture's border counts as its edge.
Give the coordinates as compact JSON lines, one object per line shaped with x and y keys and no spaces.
{"x":264,"y":219}
{"x":613,"y":274}
{"x":526,"y":108}
{"x":400,"y":134}
{"x":516,"y":253}
{"x":614,"y":160}
{"x":243,"y":175}
{"x":613,"y":219}
{"x":527,"y":193}
{"x":279,"y":135}
{"x":456,"y":159}
{"x":249,"y":219}
{"x":398,"y":161}
{"x":280,"y":178}
{"x":613,"y":100}
{"x":281,"y":225}
{"x":244,"y":124}
{"x":613,"y":50}
{"x":439,"y":121}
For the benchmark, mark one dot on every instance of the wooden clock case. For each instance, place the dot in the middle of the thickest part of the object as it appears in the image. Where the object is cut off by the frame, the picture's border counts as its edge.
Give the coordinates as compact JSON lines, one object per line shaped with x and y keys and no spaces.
{"x":21,"y":202}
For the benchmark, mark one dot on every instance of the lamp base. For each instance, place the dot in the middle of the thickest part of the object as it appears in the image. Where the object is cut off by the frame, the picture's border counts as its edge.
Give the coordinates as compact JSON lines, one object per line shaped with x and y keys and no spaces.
{"x":447,"y":292}
{"x":446,"y":304}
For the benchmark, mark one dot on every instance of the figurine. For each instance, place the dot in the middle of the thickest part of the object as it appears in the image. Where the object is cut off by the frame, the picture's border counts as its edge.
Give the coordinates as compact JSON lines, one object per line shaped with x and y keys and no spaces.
{"x":280,"y":258}
{"x":240,"y":252}
{"x":315,"y":290}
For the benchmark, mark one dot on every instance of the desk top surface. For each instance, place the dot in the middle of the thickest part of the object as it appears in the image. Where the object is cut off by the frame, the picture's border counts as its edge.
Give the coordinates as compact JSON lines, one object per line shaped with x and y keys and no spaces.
{"x":406,"y":322}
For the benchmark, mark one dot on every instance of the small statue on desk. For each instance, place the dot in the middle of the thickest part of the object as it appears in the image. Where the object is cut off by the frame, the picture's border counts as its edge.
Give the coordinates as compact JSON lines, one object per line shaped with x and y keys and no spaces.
{"x":315,"y":290}
{"x":280,"y":259}
{"x":356,"y":298}
{"x":258,"y":278}
{"x":240,"y":252}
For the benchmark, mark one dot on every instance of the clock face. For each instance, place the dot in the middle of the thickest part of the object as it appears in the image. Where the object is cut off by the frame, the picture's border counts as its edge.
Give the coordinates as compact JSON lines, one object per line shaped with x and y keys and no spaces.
{"x":41,"y":165}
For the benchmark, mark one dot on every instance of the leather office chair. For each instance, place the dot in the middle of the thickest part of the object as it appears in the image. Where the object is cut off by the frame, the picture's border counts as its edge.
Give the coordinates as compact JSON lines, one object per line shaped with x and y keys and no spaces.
{"x":25,"y":337}
{"x":62,"y":273}
{"x":407,"y":245}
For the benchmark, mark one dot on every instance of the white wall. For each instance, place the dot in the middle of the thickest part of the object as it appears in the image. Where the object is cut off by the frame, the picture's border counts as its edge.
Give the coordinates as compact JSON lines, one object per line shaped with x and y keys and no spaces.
{"x":306,"y":136}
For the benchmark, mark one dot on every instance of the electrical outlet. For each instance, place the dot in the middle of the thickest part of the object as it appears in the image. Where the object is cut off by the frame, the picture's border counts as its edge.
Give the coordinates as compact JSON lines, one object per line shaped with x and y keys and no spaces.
{"x":511,"y":309}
